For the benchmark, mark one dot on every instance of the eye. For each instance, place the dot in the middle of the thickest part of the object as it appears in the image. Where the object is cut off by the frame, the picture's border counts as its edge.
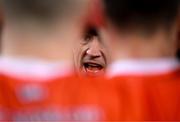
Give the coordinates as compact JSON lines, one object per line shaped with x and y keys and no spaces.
{"x":88,"y":38}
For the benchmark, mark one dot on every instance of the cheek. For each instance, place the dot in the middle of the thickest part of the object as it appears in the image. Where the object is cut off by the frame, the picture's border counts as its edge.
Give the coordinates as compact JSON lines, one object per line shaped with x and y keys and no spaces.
{"x":76,"y":53}
{"x":79,"y":55}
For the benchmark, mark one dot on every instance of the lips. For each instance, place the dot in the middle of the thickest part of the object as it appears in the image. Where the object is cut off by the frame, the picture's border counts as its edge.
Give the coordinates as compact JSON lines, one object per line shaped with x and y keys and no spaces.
{"x":93,"y":68}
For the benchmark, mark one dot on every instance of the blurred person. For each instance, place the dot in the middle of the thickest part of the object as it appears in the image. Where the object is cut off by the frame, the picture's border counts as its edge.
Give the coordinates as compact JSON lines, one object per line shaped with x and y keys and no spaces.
{"x":36,"y":78}
{"x":90,"y":55}
{"x":142,"y":36}
{"x":36,"y":51}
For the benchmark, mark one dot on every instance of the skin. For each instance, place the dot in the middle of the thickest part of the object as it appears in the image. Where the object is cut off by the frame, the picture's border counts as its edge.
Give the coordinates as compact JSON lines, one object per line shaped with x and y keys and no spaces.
{"x":134,"y":44}
{"x":91,"y":56}
{"x":45,"y":40}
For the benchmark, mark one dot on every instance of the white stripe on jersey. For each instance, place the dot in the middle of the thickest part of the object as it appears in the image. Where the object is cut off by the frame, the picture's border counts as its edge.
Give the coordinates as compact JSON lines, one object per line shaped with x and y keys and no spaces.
{"x":34,"y":68}
{"x":142,"y":67}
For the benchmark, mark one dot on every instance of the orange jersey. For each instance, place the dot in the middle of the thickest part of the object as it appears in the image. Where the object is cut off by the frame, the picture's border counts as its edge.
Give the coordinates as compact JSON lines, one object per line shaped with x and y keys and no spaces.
{"x":62,"y":99}
{"x":4,"y":111}
{"x":45,"y":97}
{"x":147,"y":91}
{"x":137,"y":96}
{"x":29,"y":91}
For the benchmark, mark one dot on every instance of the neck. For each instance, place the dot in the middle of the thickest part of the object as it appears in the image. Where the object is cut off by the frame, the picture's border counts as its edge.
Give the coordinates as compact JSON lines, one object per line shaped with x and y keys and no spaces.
{"x":45,"y":46}
{"x":158,"y":46}
{"x":141,"y":54}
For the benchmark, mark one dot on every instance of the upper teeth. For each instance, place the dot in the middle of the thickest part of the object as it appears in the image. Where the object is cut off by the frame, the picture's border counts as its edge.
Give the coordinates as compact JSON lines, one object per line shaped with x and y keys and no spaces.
{"x":92,"y":65}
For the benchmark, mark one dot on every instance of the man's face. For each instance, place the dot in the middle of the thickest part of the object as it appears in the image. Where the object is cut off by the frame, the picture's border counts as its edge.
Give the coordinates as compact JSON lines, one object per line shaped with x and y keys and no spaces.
{"x":91,"y":55}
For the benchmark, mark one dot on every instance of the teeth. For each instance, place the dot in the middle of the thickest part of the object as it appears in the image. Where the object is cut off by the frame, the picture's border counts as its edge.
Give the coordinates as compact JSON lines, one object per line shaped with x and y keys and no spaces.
{"x":92,"y":66}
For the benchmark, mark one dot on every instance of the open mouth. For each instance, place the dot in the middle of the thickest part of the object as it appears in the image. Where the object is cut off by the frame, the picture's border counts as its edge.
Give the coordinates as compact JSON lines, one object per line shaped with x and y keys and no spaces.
{"x":93,"y":69}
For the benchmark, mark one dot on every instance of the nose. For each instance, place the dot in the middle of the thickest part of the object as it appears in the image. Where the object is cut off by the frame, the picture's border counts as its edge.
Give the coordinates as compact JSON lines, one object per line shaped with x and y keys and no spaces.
{"x":94,"y":49}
